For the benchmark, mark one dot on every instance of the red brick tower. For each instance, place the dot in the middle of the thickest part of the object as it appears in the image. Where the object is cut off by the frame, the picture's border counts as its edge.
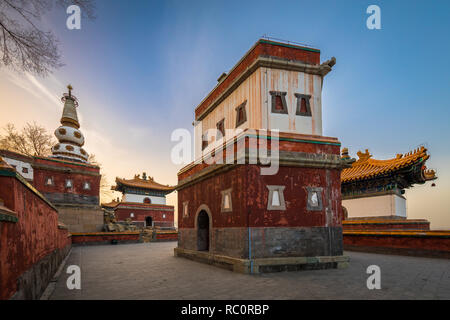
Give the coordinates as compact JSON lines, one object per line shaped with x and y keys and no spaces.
{"x":236,"y":214}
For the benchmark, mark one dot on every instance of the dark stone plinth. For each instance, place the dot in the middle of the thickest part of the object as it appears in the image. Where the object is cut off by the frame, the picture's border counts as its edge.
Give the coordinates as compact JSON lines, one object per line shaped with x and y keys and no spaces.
{"x":269,"y":242}
{"x":264,"y":265}
{"x":32,"y":283}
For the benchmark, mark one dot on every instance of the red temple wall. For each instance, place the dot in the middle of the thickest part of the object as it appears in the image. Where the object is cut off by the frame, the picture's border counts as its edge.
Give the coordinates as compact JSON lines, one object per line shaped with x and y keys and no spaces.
{"x":250,"y":196}
{"x":387,"y":225}
{"x":421,"y":243}
{"x":33,"y":240}
{"x":78,"y":173}
{"x":106,"y":237}
{"x":140,"y":214}
{"x":59,"y":179}
{"x":290,"y":142}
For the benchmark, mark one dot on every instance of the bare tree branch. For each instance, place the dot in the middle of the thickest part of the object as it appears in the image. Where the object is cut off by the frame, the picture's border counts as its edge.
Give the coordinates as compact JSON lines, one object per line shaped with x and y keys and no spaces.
{"x":24,"y":46}
{"x":31,"y":140}
{"x":105,"y":187}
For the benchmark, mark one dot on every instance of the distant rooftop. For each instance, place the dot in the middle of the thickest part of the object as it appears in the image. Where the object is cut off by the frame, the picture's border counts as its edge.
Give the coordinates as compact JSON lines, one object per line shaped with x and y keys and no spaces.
{"x":141,"y":183}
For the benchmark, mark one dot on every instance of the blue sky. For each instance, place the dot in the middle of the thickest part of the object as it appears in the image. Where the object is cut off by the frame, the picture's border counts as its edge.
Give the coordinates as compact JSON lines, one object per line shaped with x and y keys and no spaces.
{"x":160,"y":59}
{"x":142,"y":67}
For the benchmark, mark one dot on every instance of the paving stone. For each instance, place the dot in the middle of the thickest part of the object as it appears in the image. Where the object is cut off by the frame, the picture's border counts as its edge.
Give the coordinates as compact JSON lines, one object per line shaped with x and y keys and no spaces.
{"x":150,"y":271}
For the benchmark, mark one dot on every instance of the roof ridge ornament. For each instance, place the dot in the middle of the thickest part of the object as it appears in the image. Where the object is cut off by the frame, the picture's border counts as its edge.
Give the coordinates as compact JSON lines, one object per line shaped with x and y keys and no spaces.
{"x":363,"y":156}
{"x":344,"y":154}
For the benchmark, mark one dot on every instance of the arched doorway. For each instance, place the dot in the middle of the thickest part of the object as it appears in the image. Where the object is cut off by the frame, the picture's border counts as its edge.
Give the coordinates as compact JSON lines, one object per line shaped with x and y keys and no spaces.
{"x":203,"y":231}
{"x":148,"y":221}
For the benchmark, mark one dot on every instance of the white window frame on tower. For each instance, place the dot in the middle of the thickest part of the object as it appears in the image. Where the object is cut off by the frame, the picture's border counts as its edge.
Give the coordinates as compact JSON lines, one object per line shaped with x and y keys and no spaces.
{"x":67,"y":182}
{"x":47,"y":183}
{"x":279,"y":190}
{"x":185,"y":209}
{"x":226,"y":194}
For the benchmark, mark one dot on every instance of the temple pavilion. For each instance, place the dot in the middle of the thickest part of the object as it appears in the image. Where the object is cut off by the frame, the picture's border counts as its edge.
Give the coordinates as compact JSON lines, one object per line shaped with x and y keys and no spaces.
{"x":374,"y":188}
{"x":143,"y":202}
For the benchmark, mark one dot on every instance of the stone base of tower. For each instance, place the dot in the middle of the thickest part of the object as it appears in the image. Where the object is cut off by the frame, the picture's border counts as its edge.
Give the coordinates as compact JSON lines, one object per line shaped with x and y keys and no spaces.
{"x":264,"y":265}
{"x":81,"y":218}
{"x":267,"y":242}
{"x":271,"y":249}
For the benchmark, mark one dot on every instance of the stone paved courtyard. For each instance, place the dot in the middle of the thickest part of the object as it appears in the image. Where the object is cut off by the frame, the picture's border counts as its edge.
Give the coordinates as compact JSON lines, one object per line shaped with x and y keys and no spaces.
{"x":150,"y":271}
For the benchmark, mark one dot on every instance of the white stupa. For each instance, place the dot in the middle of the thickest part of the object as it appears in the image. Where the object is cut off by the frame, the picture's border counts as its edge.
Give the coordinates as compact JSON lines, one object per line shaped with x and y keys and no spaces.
{"x":70,"y":138}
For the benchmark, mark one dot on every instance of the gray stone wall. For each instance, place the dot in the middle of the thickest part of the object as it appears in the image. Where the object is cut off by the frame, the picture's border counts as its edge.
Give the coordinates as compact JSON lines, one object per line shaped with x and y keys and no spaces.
{"x":32,"y":283}
{"x":81,"y":218}
{"x":268,"y":242}
{"x":296,"y":242}
{"x":62,"y":198}
{"x":231,"y":242}
{"x":187,"y":238}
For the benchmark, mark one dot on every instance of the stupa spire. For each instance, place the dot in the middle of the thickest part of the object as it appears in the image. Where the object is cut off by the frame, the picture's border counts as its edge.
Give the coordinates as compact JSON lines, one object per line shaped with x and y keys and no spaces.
{"x":70,"y":138}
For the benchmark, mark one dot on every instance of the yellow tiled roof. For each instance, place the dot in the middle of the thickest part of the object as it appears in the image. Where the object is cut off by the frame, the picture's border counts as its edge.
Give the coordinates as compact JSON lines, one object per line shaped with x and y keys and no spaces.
{"x":145,"y":184}
{"x":366,"y":167}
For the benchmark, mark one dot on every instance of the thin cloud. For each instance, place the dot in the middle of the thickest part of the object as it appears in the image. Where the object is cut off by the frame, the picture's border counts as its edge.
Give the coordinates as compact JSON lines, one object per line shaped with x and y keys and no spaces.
{"x":44,"y":91}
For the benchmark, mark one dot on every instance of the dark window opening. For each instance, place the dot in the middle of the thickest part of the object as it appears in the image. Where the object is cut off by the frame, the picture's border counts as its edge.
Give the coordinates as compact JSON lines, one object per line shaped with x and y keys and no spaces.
{"x":303,"y":105}
{"x":221,"y":128}
{"x":204,"y":141}
{"x":147,"y":200}
{"x":279,"y":102}
{"x":241,"y":114}
{"x":25,"y":170}
{"x":303,"y":108}
{"x":148,"y":221}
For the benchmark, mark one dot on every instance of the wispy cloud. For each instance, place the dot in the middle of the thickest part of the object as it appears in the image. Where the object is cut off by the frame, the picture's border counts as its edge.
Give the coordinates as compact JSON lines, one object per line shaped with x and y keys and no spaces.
{"x":46,"y":94}
{"x":32,"y":85}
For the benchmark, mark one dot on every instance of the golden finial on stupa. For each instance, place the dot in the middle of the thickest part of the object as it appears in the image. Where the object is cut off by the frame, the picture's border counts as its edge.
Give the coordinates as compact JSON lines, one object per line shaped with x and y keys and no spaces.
{"x":70,"y":89}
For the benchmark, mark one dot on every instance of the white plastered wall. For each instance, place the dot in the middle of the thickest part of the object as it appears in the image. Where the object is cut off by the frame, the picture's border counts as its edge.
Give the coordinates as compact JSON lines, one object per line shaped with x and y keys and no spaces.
{"x":19,"y":165}
{"x":377,"y":206}
{"x":291,"y":82}
{"x":129,"y":197}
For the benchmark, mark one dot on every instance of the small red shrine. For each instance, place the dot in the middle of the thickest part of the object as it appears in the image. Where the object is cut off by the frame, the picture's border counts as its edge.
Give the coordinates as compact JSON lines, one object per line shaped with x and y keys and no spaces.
{"x":143,"y":202}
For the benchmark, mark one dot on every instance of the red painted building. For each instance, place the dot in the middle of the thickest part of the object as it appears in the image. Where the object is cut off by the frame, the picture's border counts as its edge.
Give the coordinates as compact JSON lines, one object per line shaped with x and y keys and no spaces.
{"x":143,"y":202}
{"x":33,"y":242}
{"x":233,"y":210}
